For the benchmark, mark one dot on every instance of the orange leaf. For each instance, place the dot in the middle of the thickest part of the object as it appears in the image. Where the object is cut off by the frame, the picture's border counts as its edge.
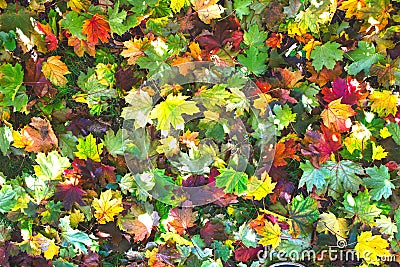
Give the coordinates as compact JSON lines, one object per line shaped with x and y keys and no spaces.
{"x":82,"y":46}
{"x":96,"y":28}
{"x":50,"y":39}
{"x":181,"y":219}
{"x":39,"y":136}
{"x":336,"y":116}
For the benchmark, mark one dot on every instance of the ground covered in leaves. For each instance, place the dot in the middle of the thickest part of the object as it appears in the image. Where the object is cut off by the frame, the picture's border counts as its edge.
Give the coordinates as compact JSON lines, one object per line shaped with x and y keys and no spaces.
{"x":79,"y":186}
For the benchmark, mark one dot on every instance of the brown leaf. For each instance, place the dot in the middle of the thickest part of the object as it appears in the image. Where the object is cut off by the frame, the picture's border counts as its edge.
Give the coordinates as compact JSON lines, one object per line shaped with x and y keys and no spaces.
{"x":213,"y":231}
{"x":324,"y":76}
{"x":34,"y":77}
{"x":39,"y":136}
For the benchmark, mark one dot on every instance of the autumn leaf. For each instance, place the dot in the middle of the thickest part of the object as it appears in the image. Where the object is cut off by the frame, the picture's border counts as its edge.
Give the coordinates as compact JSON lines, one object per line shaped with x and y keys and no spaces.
{"x":177,"y":5}
{"x":179,"y":220}
{"x":141,"y":227}
{"x":336,"y":116}
{"x":259,"y":189}
{"x":170,"y":111}
{"x":50,"y":166}
{"x":326,"y":55}
{"x":207,"y":10}
{"x":88,"y":148}
{"x":81,"y":46}
{"x":55,"y":70}
{"x":78,"y":5}
{"x":69,"y":192}
{"x":96,"y":28}
{"x":384,"y":103}
{"x":107,"y":206}
{"x":270,"y":234}
{"x":350,"y":91}
{"x":50,"y":38}
{"x":328,"y":222}
{"x":133,"y":50}
{"x":371,"y":247}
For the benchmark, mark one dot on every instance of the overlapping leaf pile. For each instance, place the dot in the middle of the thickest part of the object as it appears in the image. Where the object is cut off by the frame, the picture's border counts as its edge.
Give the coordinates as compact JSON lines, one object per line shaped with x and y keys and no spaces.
{"x":329,"y":70}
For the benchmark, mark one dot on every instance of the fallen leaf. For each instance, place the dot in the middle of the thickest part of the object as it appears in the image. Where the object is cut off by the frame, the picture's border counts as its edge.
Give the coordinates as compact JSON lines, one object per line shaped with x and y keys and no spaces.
{"x":207,"y":10}
{"x":106,"y":207}
{"x":336,"y":116}
{"x":96,"y":28}
{"x":54,"y":70}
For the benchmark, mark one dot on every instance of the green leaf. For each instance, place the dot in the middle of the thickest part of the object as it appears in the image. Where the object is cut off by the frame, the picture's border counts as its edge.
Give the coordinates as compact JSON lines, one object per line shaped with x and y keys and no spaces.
{"x":379,"y":182}
{"x":67,"y":143}
{"x":8,"y":40}
{"x":242,"y":7}
{"x":8,"y":198}
{"x":11,"y":79}
{"x":232,"y":181}
{"x":247,"y":236}
{"x":313,"y":177}
{"x":116,"y":19}
{"x":52,"y":212}
{"x":73,"y":23}
{"x":115,"y":143}
{"x":283,"y":116}
{"x":364,"y":57}
{"x":394,"y":130}
{"x":360,"y":207}
{"x":343,"y":177}
{"x":303,"y":212}
{"x":326,"y":55}
{"x":215,"y":96}
{"x":170,"y":111}
{"x":5,"y":139}
{"x":255,"y":37}
{"x":254,"y":61}
{"x":221,"y":251}
{"x":88,"y":148}
{"x":73,"y":236}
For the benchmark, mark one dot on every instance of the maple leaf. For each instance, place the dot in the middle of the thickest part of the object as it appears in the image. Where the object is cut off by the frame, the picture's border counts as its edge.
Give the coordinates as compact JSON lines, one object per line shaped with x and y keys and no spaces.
{"x":369,"y":247}
{"x":364,"y":57}
{"x":348,"y":90}
{"x":38,"y":136}
{"x":313,"y":177}
{"x":213,"y":231}
{"x":179,"y":220}
{"x":78,"y":5}
{"x":329,"y":223}
{"x":140,"y":107}
{"x":88,"y":148}
{"x":169,"y":112}
{"x":50,"y":38}
{"x":379,"y":181}
{"x":326,"y":55}
{"x":324,"y":76}
{"x":69,"y":192}
{"x":96,"y":28}
{"x":329,"y":143}
{"x":274,"y":40}
{"x":271,"y":234}
{"x":50,"y":166}
{"x":177,"y":5}
{"x":81,"y":46}
{"x":54,"y":70}
{"x":232,"y":181}
{"x":106,"y":207}
{"x":133,"y":50}
{"x":207,"y":10}
{"x":259,"y":189}
{"x":302,"y":213}
{"x":384,"y":103}
{"x":360,"y":207}
{"x":141,"y":227}
{"x":254,"y":61}
{"x":336,"y":116}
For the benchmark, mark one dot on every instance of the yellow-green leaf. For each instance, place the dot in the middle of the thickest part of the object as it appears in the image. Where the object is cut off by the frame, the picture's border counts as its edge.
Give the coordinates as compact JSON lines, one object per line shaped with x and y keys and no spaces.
{"x":369,"y":247}
{"x":88,"y":148}
{"x":106,"y":207}
{"x":271,"y":235}
{"x":259,"y":189}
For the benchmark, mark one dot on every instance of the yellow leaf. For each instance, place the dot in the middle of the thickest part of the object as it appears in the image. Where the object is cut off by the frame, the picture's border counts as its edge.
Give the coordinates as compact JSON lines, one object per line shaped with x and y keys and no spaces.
{"x":19,"y":141}
{"x":262,"y":102}
{"x":107,"y":207}
{"x":54,"y":70}
{"x":3,"y":4}
{"x":329,"y":223}
{"x":384,"y":132}
{"x":352,"y":7}
{"x":133,"y":50}
{"x":50,"y":250}
{"x":76,"y":217}
{"x":271,"y":235}
{"x":378,"y":152}
{"x":176,"y":238}
{"x":384,"y":103}
{"x":371,"y":247}
{"x":353,"y":143}
{"x":337,"y":116}
{"x":259,"y":189}
{"x":78,"y":5}
{"x":176,"y":5}
{"x":207,"y":10}
{"x":195,"y":50}
{"x":310,"y":46}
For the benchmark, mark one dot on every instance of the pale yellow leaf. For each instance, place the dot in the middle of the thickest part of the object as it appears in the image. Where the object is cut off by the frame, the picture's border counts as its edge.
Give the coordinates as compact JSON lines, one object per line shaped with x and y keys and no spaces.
{"x":207,"y":10}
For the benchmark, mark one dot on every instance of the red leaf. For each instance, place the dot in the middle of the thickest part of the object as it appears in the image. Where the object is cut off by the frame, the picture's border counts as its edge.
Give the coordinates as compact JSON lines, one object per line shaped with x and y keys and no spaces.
{"x":50,"y":38}
{"x":350,"y":91}
{"x":244,"y":254}
{"x":330,"y":142}
{"x":96,"y":28}
{"x":69,"y":192}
